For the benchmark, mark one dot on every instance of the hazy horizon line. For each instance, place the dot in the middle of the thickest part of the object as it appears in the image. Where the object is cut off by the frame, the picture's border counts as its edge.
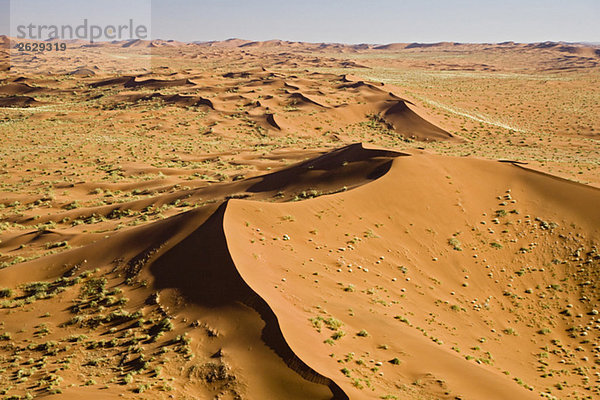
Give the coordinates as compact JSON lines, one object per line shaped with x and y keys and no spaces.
{"x":582,"y":42}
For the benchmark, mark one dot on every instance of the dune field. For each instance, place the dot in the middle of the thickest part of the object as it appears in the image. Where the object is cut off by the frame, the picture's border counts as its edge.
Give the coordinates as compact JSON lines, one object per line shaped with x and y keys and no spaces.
{"x":286,"y":220}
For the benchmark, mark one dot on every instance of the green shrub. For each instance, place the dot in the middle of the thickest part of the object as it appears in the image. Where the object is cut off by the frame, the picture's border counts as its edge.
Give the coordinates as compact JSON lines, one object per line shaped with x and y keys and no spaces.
{"x":455,"y":243}
{"x":338,"y":335}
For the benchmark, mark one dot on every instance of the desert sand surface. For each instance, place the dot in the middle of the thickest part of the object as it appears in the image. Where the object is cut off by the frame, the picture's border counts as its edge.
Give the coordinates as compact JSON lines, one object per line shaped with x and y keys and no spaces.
{"x":286,"y":220}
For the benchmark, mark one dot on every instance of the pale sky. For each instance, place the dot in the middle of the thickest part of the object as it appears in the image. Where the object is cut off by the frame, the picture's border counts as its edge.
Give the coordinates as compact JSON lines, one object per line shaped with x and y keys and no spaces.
{"x":344,"y":21}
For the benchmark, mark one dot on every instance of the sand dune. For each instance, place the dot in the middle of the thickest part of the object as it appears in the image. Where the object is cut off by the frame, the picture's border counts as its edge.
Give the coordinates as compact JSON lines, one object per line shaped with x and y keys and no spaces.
{"x":408,"y":123}
{"x":18,"y":101}
{"x":157,"y":83}
{"x":175,"y":99}
{"x":132,"y":82}
{"x":270,"y":101}
{"x":294,"y":273}
{"x":136,"y":43}
{"x":19,"y":88}
{"x":297,"y":99}
{"x":83,"y":72}
{"x":113,"y":81}
{"x":391,"y":46}
{"x":341,"y":170}
{"x":398,"y":117}
{"x":391,"y":200}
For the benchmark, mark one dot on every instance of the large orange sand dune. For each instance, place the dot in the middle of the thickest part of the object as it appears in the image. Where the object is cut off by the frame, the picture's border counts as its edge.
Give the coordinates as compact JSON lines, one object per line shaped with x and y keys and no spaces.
{"x":419,"y":284}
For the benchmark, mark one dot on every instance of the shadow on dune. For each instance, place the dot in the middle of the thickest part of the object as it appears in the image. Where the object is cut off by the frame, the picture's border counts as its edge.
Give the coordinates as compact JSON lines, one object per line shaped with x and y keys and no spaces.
{"x":18,"y":101}
{"x":200,"y":267}
{"x":408,"y":123}
{"x":360,"y":164}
